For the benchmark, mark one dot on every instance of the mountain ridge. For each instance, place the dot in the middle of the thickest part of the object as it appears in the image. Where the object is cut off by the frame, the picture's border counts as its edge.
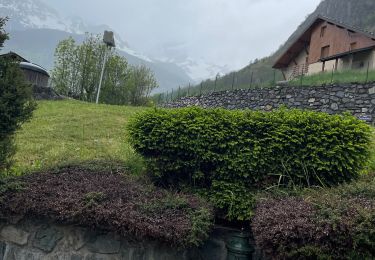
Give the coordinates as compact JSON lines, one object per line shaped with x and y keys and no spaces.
{"x":357,"y":13}
{"x":35,"y":30}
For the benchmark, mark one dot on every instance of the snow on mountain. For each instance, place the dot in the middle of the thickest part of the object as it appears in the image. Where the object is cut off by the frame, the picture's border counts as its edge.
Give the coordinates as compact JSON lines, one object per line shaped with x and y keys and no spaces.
{"x":34,"y":14}
{"x":201,"y":70}
{"x":31,"y":14}
{"x":180,"y":54}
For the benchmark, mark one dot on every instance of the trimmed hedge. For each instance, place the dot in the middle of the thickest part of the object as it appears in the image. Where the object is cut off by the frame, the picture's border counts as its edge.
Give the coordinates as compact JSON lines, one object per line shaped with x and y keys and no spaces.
{"x":254,"y":149}
{"x":336,"y":223}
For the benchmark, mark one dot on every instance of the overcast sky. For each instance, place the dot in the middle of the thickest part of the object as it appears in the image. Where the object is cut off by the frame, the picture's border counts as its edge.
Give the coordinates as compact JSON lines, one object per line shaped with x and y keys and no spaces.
{"x":231,"y":32}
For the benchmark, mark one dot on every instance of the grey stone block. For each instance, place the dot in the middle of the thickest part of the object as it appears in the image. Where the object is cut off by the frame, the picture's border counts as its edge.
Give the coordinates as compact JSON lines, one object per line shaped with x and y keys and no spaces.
{"x":46,"y":238}
{"x":100,"y":257}
{"x":371,"y":91}
{"x":15,"y":252}
{"x":335,"y":106}
{"x":340,"y":94}
{"x":3,"y":246}
{"x":104,"y":244}
{"x":76,"y":257}
{"x":14,"y":235}
{"x":132,"y":253}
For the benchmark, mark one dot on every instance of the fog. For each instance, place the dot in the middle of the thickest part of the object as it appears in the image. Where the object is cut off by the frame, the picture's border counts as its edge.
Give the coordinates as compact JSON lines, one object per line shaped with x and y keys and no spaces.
{"x":221,"y":32}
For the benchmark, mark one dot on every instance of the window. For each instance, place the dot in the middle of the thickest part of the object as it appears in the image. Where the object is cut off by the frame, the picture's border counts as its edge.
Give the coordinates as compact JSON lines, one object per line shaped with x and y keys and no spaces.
{"x":323,"y":31}
{"x":353,"y":46}
{"x":325,"y":52}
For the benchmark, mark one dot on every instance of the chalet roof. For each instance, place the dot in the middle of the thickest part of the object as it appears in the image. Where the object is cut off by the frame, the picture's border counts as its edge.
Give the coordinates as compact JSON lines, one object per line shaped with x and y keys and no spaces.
{"x":303,"y":40}
{"x":25,"y":64}
{"x":14,"y":56}
{"x":33,"y":67}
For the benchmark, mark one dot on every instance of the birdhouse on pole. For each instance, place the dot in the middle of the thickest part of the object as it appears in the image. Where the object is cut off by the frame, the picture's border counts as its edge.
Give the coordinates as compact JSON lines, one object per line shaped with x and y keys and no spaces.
{"x":109,"y":39}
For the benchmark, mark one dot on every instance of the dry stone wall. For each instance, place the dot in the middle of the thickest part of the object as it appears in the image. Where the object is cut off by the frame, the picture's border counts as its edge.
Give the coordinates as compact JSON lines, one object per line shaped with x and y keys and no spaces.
{"x":27,"y":239}
{"x":358,"y":99}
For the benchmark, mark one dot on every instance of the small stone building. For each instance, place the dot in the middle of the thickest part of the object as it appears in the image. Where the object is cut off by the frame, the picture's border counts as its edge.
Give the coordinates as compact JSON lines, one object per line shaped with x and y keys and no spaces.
{"x":35,"y":74}
{"x":327,"y":45}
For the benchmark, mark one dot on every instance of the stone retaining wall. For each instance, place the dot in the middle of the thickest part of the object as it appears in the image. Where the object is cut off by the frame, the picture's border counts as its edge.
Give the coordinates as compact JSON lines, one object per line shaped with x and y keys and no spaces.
{"x":44,"y":240}
{"x":357,"y":99}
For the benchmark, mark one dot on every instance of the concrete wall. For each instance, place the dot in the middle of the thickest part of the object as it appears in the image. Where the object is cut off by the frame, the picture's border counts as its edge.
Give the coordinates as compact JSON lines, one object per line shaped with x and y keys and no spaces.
{"x":298,"y":68}
{"x":315,"y":68}
{"x":357,"y":99}
{"x":27,"y":239}
{"x":330,"y":65}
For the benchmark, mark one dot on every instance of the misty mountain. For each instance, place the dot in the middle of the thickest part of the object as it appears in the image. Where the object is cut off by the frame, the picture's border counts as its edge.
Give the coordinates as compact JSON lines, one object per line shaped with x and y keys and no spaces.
{"x":198,"y":69}
{"x":358,"y":13}
{"x":35,"y":30}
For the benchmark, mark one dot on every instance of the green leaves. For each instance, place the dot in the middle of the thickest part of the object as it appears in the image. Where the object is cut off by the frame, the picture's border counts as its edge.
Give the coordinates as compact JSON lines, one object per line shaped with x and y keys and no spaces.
{"x":200,"y":147}
{"x":78,"y":68}
{"x":16,"y":103}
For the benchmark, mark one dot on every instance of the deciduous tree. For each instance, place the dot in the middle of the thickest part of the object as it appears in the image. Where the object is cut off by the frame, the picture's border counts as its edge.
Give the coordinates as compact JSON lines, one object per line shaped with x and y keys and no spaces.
{"x":78,"y":68}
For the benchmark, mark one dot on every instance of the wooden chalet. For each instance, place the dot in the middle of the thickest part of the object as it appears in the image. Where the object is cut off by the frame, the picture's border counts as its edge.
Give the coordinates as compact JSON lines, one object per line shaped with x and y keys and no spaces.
{"x":35,"y":74}
{"x":327,"y":45}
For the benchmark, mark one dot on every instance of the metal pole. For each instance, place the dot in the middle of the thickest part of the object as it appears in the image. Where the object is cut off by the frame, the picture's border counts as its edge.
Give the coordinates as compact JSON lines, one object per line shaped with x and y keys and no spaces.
{"x":102,"y":74}
{"x":215,"y":83}
{"x":274,"y":77}
{"x":172,"y":95}
{"x":368,"y":68}
{"x":179,"y":89}
{"x":234,"y":74}
{"x":188,"y":89}
{"x":251,"y":79}
{"x":201,"y":88}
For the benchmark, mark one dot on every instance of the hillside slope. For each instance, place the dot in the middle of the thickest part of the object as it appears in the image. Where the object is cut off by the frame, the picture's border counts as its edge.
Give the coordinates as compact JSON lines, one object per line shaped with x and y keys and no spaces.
{"x":74,"y":131}
{"x":359,"y":13}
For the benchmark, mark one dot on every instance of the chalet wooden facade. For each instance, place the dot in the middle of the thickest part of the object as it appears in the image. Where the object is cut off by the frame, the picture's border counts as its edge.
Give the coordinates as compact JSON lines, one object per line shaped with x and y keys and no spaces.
{"x":327,"y":45}
{"x":35,"y":74}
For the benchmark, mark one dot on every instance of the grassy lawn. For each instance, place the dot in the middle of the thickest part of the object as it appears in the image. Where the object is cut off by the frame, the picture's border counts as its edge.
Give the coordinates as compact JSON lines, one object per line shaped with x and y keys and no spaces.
{"x":350,"y":76}
{"x":72,"y":131}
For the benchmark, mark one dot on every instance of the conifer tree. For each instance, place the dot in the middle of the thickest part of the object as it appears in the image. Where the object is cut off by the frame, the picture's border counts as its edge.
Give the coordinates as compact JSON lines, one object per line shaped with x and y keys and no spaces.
{"x":16,"y":103}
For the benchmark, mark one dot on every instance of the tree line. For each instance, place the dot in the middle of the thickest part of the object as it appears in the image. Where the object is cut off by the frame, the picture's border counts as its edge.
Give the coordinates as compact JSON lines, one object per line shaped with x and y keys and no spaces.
{"x":77,"y":74}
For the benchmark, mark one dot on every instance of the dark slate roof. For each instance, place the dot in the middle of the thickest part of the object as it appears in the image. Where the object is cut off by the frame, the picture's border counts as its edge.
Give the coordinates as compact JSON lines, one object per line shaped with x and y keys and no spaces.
{"x":295,"y":47}
{"x":14,"y":56}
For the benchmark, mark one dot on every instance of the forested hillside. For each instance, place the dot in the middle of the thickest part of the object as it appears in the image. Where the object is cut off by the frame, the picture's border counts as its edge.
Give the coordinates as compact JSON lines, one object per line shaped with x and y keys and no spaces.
{"x":359,"y":13}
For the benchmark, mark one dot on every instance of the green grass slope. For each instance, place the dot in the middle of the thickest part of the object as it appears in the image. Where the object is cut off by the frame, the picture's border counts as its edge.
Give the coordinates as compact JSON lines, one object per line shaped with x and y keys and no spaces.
{"x":70,"y":131}
{"x":335,"y":77}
